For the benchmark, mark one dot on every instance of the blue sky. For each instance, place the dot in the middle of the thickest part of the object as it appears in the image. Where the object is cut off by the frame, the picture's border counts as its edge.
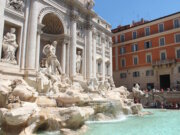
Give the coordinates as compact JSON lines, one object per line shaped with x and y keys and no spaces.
{"x":123,"y":12}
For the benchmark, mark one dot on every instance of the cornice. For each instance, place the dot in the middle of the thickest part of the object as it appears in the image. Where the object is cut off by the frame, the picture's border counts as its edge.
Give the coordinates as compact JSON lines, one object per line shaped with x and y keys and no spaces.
{"x":148,"y":24}
{"x":148,"y":37}
{"x":13,"y":13}
{"x":101,"y":28}
{"x":75,"y":4}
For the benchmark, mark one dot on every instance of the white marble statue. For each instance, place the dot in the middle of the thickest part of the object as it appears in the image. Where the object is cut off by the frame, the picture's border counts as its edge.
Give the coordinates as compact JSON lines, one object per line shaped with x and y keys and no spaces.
{"x":52,"y":61}
{"x":78,"y":62}
{"x":137,"y":93}
{"x":9,"y":47}
{"x":90,"y":4}
{"x":16,"y":4}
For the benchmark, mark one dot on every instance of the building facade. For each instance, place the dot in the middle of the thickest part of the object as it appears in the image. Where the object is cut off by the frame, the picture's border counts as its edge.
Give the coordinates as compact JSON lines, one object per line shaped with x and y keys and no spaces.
{"x":84,"y":43}
{"x":148,"y":53}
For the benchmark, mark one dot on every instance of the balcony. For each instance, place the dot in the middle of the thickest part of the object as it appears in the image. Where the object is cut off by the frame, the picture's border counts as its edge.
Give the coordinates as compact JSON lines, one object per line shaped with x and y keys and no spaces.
{"x":167,"y":62}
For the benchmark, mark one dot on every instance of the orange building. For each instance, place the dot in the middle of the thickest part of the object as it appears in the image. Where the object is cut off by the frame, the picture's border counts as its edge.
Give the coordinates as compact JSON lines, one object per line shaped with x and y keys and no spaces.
{"x":148,"y":53}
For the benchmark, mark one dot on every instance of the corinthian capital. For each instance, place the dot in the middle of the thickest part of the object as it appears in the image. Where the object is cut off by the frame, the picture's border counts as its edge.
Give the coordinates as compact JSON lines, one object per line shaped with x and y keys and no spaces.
{"x":89,"y":26}
{"x":74,"y":16}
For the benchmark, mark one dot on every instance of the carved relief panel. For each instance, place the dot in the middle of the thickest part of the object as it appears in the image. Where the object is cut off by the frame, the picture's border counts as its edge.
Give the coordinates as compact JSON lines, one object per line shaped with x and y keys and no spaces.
{"x":17,"y":5}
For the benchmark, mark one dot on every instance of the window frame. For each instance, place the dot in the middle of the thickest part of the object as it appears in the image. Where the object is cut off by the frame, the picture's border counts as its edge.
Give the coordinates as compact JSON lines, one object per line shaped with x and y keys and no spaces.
{"x":124,"y":50}
{"x":148,"y":54}
{"x":136,"y":48}
{"x":135,"y":57}
{"x":160,"y":41}
{"x":121,"y":37}
{"x":136,"y":74}
{"x":175,"y":37}
{"x":150,"y":45}
{"x":123,"y":75}
{"x":123,"y":59}
{"x":159,"y":27}
{"x":161,"y":55}
{"x":149,"y":31}
{"x":177,"y":52}
{"x":178,"y":19}
{"x":149,"y":73}
{"x":133,"y":35}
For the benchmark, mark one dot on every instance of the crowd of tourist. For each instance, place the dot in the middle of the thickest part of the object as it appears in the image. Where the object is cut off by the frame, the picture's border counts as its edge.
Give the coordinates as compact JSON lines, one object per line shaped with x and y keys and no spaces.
{"x":163,"y":102}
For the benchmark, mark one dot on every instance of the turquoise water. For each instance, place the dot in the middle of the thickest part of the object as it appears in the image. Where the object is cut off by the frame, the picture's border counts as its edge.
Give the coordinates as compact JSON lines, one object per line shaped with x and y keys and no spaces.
{"x":162,"y":122}
{"x":49,"y":133}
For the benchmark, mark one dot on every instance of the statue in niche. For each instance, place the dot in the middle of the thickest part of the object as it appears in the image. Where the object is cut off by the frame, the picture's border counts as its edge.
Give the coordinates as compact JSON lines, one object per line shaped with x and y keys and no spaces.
{"x":90,"y":4}
{"x":9,"y":47}
{"x":78,"y":62}
{"x":53,"y":64}
{"x":17,"y":4}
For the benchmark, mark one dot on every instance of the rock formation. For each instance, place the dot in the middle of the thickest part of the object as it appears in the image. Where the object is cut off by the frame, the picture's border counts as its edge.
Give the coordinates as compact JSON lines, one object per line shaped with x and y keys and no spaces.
{"x":52,"y":102}
{"x":67,"y":110}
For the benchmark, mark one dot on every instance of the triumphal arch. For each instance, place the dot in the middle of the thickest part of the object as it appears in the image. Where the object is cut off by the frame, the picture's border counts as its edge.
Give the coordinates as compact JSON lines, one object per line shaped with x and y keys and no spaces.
{"x":66,"y":35}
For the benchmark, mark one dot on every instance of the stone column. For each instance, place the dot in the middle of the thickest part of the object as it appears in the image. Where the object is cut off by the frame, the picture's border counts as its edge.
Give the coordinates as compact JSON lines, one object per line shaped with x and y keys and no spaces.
{"x":74,"y":18}
{"x":23,"y":56}
{"x":63,"y":60}
{"x":103,"y":56}
{"x":32,"y":36}
{"x":111,"y":63}
{"x":89,"y":50}
{"x":67,"y":59}
{"x":2,"y":8}
{"x":39,"y":32}
{"x":94,"y":53}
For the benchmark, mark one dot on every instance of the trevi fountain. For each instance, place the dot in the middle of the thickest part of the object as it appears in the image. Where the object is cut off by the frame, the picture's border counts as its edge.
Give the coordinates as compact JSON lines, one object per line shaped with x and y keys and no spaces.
{"x":56,"y":68}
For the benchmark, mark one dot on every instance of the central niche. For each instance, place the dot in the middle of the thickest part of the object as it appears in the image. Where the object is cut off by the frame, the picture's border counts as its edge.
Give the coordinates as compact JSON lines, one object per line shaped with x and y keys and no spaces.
{"x":53,"y":25}
{"x":52,"y":31}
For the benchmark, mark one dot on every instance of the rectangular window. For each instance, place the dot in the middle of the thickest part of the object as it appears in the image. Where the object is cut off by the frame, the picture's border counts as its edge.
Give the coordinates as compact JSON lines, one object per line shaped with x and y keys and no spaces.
{"x":161,"y":27}
{"x":135,"y":60}
{"x":136,"y":74}
{"x":99,"y":39}
{"x":147,"y":44}
{"x":122,"y":50}
{"x":123,"y":63}
{"x":148,"y":58}
{"x":107,"y":69}
{"x":147,"y":31}
{"x":177,"y":38}
{"x":149,"y":72}
{"x":134,"y":47}
{"x":178,"y":53}
{"x":123,"y":75}
{"x":163,"y":56}
{"x":134,"y":35}
{"x":99,"y":67}
{"x":107,"y":44}
{"x":122,"y":37}
{"x":176,"y":23}
{"x":162,"y":41}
